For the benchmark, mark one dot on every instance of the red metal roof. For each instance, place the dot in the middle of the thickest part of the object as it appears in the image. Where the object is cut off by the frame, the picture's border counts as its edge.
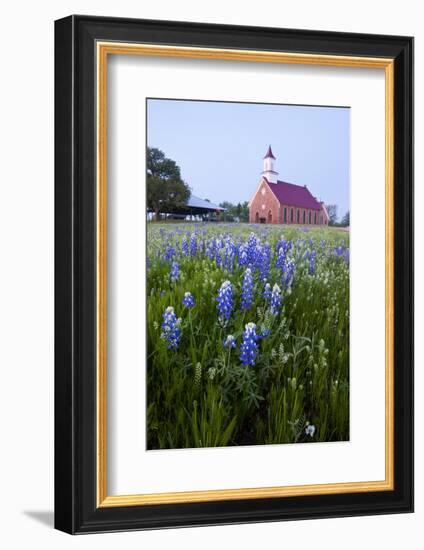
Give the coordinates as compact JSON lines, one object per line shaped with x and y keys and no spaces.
{"x":294,"y":195}
{"x":269,"y":153}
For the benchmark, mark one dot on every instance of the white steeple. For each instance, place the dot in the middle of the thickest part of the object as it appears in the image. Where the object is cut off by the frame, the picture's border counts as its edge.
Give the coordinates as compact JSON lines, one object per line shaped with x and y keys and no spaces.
{"x":269,"y":171}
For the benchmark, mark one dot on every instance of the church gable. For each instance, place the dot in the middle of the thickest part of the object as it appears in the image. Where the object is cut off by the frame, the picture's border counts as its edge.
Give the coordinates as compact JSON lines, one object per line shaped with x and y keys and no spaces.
{"x":262,"y":189}
{"x":264,"y":206}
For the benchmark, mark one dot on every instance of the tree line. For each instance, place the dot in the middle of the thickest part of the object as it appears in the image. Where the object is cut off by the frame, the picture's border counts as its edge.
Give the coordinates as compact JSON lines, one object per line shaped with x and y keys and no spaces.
{"x":235,"y":212}
{"x":166,"y":190}
{"x":333,"y":217}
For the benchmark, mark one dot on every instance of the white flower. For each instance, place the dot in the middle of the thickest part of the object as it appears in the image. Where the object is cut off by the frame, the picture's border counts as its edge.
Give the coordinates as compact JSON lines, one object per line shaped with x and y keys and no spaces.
{"x":229,"y":341}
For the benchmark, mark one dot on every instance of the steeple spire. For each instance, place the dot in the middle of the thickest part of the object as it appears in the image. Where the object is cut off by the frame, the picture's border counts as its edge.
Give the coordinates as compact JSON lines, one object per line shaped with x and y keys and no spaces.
{"x":269,"y":172}
{"x":269,"y":153}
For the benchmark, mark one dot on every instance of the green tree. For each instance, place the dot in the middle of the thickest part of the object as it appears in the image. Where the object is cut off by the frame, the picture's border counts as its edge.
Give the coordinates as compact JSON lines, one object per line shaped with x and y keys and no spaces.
{"x":238,"y":211}
{"x":244,"y":214}
{"x":166,"y":191}
{"x":228,"y":214}
{"x":332,"y":213}
{"x":346,"y":219}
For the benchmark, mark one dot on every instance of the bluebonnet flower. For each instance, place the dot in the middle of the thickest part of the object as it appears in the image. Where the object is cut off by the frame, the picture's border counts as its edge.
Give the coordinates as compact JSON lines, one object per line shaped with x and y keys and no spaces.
{"x":193,"y":244}
{"x":184,"y":246}
{"x":228,"y":258}
{"x":281,"y":258}
{"x":175,"y":272}
{"x":267,"y":292}
{"x":263,"y":260}
{"x":210,"y":249}
{"x":243,"y":257}
{"x":342,"y":252}
{"x":283,"y":247}
{"x":225,"y":302}
{"x":310,"y":430}
{"x":252,"y":243}
{"x":265,"y":332}
{"x":188,"y":300}
{"x":218,"y":257}
{"x":266,"y":261}
{"x":171,"y":330}
{"x":275,"y":300}
{"x":169,"y":252}
{"x":311,"y":267}
{"x":287,"y":272}
{"x":346,"y":256}
{"x":230,"y":254}
{"x":284,"y":262}
{"x":230,"y":342}
{"x":249,"y":346}
{"x":247,"y":290}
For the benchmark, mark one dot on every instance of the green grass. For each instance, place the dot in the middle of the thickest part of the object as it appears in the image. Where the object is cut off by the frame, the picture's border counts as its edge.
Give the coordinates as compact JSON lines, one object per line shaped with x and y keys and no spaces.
{"x":200,"y":395}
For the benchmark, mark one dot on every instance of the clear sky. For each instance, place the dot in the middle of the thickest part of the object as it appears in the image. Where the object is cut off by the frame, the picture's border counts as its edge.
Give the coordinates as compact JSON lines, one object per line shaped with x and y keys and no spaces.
{"x":220,"y":146}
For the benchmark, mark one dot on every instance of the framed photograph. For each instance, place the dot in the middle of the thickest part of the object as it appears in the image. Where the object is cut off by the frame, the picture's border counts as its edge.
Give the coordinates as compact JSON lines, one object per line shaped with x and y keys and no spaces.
{"x":234,"y":274}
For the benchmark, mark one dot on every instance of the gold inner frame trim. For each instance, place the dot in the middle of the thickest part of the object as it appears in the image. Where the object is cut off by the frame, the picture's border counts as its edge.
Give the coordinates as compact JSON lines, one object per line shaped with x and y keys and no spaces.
{"x":104,"y":49}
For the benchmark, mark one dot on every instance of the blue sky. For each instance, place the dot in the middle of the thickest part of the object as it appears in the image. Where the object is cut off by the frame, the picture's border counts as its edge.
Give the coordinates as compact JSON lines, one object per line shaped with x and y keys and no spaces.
{"x":220,"y":146}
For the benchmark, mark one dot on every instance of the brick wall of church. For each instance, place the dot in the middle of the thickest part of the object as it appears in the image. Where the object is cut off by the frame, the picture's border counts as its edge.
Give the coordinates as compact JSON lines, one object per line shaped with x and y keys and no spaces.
{"x":265,"y":207}
{"x":301,"y":216}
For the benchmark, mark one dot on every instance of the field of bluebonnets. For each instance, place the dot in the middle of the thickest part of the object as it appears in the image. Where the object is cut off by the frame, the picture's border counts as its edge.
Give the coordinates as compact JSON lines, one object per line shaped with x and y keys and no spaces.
{"x":248,"y":335}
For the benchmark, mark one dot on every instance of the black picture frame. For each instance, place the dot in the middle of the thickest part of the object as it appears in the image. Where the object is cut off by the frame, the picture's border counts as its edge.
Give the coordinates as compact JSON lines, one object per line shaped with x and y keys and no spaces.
{"x":76,"y":510}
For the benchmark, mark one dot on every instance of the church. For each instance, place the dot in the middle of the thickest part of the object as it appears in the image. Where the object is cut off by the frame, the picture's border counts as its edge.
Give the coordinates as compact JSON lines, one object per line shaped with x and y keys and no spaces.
{"x":279,"y":202}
